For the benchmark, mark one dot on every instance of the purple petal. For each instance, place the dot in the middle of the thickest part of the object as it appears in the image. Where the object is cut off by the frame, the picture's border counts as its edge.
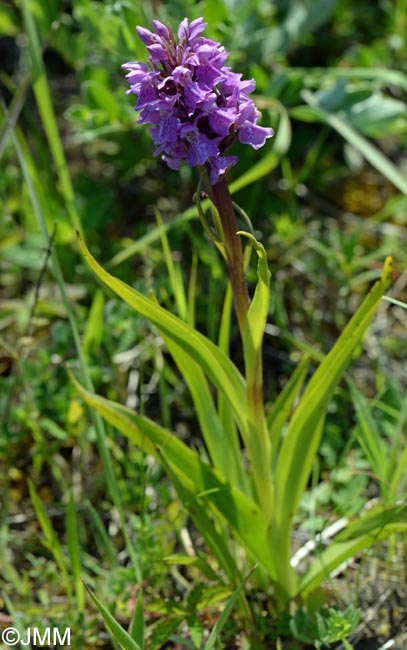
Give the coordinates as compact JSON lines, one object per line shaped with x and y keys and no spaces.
{"x":183,"y":29}
{"x":168,"y":129}
{"x":200,"y":149}
{"x":158,"y":53}
{"x":196,"y":27}
{"x":146,"y":36}
{"x":254,"y":135}
{"x":161,"y":29}
{"x":221,"y":120}
{"x":219,"y":165}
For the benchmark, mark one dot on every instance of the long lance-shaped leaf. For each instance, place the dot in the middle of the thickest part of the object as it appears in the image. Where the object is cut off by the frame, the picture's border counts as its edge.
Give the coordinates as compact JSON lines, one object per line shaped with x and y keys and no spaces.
{"x":222,"y":441}
{"x":355,"y":538}
{"x":213,"y":534}
{"x":222,"y":445}
{"x":240,"y":512}
{"x":303,"y":434}
{"x":114,"y":628}
{"x":218,"y":367}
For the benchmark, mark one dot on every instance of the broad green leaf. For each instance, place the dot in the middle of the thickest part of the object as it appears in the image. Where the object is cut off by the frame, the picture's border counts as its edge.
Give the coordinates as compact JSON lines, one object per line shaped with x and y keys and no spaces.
{"x":258,"y":310}
{"x":242,"y":514}
{"x":303,"y":434}
{"x":373,"y":155}
{"x":113,"y":627}
{"x":224,"y":411}
{"x":218,"y":367}
{"x":377,"y":115}
{"x":356,"y":537}
{"x":216,"y":538}
{"x":316,"y":76}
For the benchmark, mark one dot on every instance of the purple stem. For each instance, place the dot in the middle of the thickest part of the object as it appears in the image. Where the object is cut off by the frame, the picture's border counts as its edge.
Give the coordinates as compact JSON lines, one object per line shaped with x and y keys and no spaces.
{"x":222,"y":200}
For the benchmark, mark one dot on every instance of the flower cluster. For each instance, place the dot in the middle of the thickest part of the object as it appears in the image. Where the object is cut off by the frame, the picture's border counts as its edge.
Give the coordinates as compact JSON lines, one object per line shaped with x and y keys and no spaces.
{"x":196,"y":105}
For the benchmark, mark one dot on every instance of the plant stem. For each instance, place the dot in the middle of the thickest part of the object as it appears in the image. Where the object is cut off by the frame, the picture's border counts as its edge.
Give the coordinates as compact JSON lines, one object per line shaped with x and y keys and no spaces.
{"x":222,"y":200}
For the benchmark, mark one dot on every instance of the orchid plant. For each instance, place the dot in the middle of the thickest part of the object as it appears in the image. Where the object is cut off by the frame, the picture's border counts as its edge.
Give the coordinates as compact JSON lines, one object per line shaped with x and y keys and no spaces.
{"x":260,"y":460}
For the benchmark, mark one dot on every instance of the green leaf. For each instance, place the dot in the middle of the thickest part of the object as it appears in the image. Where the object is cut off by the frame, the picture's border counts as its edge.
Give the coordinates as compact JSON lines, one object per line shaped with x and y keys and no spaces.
{"x":175,"y":277}
{"x":222,"y":372}
{"x":74,"y":553}
{"x":222,"y":445}
{"x":241,"y":513}
{"x":51,"y":540}
{"x":220,"y":623}
{"x":93,"y":332}
{"x":368,"y":435}
{"x":303,"y":435}
{"x":136,"y":630}
{"x":258,"y":443}
{"x":258,"y":310}
{"x":99,"y":96}
{"x":113,"y":627}
{"x":373,"y":155}
{"x":47,"y":113}
{"x":281,"y":409}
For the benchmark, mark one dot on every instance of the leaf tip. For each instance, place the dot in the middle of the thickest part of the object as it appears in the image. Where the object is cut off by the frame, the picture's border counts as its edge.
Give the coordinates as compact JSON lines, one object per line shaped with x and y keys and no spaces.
{"x":387,"y":272}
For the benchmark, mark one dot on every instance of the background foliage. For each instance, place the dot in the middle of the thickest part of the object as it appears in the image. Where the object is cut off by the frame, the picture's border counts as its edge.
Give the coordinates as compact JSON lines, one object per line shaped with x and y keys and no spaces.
{"x":329,"y":200}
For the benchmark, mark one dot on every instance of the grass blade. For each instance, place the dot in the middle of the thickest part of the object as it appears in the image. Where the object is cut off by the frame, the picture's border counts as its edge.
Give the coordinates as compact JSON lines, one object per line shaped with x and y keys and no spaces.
{"x":281,"y":408}
{"x":46,"y":109}
{"x":136,"y":630}
{"x":220,"y":623}
{"x":72,"y":534}
{"x":368,"y":435}
{"x":113,"y":627}
{"x":51,"y":540}
{"x":29,"y":174}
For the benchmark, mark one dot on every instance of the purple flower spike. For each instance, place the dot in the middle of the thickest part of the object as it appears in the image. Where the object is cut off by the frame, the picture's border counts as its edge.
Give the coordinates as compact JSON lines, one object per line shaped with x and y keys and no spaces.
{"x":196,"y":106}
